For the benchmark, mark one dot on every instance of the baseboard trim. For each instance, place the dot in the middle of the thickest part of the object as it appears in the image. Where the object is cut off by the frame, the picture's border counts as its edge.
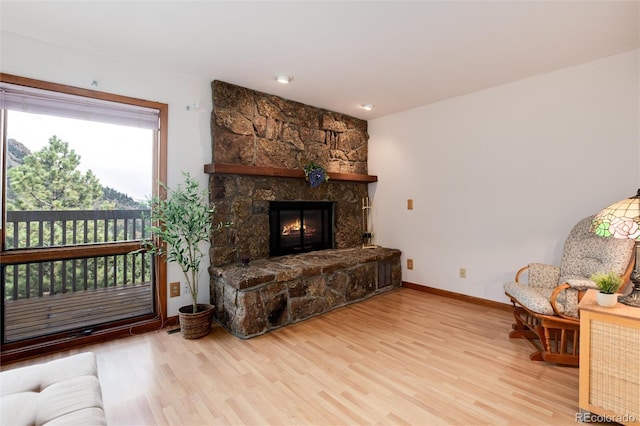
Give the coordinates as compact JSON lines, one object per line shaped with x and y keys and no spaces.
{"x":459,"y":296}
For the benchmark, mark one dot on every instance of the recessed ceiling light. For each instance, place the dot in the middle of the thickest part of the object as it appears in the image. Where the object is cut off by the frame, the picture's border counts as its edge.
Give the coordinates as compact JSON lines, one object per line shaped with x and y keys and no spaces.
{"x":368,"y":107}
{"x":283,"y":79}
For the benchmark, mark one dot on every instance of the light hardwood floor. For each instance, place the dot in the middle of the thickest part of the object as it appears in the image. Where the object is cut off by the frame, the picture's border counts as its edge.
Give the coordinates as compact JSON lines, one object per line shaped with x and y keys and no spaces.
{"x":404,"y":357}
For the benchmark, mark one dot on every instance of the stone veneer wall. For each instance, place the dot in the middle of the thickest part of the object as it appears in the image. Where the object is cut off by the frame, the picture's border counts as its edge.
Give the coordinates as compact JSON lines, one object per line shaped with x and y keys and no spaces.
{"x":244,"y":200}
{"x":257,"y":129}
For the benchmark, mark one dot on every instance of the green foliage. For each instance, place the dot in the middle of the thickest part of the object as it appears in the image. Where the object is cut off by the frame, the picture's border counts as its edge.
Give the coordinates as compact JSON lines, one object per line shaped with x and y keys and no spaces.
{"x":49,"y":180}
{"x":180,"y":223}
{"x":119,"y":200}
{"x":607,"y":283}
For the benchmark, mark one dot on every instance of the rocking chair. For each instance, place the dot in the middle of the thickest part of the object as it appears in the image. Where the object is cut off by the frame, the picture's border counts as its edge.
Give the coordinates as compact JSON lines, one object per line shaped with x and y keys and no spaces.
{"x":546,"y":308}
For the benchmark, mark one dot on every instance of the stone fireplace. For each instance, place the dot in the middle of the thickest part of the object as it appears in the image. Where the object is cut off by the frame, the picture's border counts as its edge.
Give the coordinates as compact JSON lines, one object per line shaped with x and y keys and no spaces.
{"x":261,"y":144}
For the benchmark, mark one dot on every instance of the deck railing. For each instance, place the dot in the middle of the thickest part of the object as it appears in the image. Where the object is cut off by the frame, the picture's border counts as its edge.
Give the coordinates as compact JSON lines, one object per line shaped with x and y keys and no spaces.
{"x":50,"y":228}
{"x":45,"y":229}
{"x":52,"y":296}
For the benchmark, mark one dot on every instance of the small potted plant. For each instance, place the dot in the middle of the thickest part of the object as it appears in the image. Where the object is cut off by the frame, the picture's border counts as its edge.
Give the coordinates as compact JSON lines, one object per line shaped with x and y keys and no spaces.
{"x":315,"y":174}
{"x":179,"y":225}
{"x":607,"y":283}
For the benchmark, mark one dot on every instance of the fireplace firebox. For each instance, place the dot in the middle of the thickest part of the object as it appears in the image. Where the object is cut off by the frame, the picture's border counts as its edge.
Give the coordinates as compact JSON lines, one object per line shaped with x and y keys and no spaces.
{"x":300,"y":226}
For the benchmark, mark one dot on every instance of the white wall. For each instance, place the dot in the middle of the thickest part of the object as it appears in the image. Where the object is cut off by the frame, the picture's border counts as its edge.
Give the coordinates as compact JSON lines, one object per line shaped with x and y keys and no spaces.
{"x":499,"y":177}
{"x":189,"y":141}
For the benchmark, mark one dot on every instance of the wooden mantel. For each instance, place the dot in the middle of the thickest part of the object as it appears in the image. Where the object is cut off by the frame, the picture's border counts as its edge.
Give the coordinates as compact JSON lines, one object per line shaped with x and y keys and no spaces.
{"x":240,"y":169}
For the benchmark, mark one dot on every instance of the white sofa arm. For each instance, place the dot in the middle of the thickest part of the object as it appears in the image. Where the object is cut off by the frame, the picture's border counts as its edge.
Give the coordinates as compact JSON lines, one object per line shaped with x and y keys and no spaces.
{"x":64,"y":391}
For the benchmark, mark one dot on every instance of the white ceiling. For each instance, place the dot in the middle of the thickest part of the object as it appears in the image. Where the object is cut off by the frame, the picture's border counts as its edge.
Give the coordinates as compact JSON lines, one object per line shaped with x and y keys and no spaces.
{"x":394,"y":54}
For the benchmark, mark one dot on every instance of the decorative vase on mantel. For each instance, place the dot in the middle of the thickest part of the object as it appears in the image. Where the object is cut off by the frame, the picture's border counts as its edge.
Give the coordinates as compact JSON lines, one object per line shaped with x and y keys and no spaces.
{"x":607,"y":300}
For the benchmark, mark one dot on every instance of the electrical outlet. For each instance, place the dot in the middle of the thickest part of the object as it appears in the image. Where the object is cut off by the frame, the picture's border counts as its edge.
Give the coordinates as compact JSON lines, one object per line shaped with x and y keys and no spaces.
{"x":409,"y":263}
{"x":186,"y":288}
{"x":463,"y":273}
{"x":174,"y":289}
{"x":409,"y":204}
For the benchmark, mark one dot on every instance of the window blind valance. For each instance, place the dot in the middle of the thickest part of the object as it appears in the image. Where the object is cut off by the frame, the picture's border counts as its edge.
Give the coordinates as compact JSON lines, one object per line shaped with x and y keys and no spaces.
{"x":39,"y":101}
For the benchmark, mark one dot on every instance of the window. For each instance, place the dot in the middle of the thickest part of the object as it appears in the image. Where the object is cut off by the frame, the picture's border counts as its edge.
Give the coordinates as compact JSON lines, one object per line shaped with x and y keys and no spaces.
{"x":79,"y":167}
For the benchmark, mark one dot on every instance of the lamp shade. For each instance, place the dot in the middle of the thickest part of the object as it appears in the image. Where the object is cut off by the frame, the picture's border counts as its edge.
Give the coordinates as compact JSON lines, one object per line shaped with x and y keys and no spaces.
{"x":619,"y":220}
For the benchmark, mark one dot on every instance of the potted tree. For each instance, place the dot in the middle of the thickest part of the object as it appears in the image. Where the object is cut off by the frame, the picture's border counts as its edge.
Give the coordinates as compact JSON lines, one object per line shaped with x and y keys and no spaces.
{"x":179,"y":225}
{"x":607,"y":283}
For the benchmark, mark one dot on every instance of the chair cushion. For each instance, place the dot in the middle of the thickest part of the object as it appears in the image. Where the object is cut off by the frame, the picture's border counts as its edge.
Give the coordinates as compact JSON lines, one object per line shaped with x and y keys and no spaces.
{"x":542,"y":275}
{"x":586,"y":253}
{"x":580,"y":283}
{"x":532,"y":298}
{"x":536,"y":299}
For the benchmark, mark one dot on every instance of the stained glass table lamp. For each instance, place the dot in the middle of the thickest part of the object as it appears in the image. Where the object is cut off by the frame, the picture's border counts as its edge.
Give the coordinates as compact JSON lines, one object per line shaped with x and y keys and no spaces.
{"x":622,"y":220}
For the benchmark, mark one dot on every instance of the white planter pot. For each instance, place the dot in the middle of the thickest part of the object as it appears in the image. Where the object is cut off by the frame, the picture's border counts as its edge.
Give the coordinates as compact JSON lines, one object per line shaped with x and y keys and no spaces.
{"x":607,"y":300}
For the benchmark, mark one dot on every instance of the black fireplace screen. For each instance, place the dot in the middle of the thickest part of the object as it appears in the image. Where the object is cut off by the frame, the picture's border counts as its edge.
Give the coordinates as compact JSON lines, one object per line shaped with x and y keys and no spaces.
{"x":300,"y":226}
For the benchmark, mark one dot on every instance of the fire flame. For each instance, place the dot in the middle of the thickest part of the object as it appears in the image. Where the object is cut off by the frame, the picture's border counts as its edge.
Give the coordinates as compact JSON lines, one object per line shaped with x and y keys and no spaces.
{"x":293,"y":226}
{"x":296,"y":227}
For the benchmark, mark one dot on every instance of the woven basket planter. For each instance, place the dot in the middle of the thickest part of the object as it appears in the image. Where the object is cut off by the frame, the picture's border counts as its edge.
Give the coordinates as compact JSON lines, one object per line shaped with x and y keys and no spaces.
{"x":194,"y":326}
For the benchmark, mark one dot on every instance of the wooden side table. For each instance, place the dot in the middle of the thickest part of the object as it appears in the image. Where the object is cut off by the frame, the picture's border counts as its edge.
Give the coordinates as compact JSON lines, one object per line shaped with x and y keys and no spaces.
{"x":609,"y":362}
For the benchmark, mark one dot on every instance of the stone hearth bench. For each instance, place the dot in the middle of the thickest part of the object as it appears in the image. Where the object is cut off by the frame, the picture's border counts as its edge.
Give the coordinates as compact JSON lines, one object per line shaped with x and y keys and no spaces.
{"x":270,"y":293}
